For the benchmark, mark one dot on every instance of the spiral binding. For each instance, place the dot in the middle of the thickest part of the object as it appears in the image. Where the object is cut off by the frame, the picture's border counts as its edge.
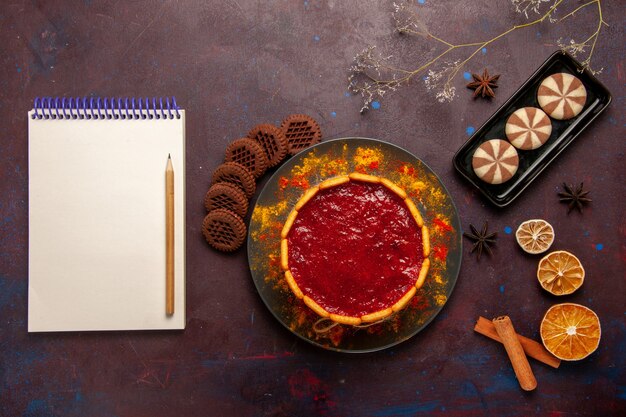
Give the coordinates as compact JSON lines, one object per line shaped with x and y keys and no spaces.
{"x":132,"y":108}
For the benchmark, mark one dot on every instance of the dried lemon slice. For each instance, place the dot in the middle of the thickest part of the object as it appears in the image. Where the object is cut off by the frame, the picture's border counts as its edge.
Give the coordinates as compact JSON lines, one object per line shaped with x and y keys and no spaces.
{"x":560,"y":273}
{"x":570,"y":331}
{"x":535,"y":236}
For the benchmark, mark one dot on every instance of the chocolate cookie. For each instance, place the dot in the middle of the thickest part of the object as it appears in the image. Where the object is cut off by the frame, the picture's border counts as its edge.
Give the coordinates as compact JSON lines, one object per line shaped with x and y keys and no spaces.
{"x":562,"y":96}
{"x":224,"y":230}
{"x":273,"y":141}
{"x":301,"y":132}
{"x":248,"y":153}
{"x":495,"y":161}
{"x":236,"y":174}
{"x":528,"y":128}
{"x":227,"y":196}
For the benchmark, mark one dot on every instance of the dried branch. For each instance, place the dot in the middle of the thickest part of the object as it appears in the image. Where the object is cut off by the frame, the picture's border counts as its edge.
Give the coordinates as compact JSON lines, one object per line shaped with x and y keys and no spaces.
{"x":372,"y":75}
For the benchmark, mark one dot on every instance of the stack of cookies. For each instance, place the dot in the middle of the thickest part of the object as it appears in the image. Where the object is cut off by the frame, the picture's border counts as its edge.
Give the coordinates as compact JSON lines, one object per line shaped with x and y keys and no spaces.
{"x":233,"y":183}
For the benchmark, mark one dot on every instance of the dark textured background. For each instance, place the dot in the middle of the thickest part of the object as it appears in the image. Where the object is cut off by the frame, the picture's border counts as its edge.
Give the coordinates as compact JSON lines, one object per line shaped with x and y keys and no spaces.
{"x":233,"y":64}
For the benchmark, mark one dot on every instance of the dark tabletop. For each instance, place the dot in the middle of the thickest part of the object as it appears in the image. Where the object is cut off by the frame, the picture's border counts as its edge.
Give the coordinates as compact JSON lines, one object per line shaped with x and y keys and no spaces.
{"x":235,"y":63}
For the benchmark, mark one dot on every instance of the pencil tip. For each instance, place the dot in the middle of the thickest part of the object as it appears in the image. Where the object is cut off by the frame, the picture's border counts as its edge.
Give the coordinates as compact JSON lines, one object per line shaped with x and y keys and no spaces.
{"x":168,"y":156}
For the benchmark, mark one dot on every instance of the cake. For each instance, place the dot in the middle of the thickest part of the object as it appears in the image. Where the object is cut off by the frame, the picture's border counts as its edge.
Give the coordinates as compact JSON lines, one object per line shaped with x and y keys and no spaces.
{"x":355,"y":249}
{"x":495,"y":161}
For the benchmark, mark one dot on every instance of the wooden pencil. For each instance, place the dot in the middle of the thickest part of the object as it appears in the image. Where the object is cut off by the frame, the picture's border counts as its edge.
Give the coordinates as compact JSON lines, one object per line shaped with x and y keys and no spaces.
{"x":169,"y":237}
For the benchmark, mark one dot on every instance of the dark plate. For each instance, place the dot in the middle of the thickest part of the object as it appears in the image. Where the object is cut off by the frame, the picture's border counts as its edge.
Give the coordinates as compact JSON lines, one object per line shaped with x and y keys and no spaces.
{"x":343,"y":156}
{"x":533,"y":162}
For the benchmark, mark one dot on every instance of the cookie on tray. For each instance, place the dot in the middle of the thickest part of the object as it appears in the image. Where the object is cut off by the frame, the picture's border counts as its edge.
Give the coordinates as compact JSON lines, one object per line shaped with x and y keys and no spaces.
{"x":562,"y":96}
{"x":528,"y":128}
{"x":495,"y":161}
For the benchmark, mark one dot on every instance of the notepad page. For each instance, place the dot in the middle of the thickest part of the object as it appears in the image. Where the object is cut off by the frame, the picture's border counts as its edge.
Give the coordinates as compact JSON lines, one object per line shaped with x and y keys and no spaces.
{"x":97,"y":224}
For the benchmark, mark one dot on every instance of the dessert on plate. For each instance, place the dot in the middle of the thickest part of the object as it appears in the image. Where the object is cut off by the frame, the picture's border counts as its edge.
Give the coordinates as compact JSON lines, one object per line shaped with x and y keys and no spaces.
{"x":355,"y":249}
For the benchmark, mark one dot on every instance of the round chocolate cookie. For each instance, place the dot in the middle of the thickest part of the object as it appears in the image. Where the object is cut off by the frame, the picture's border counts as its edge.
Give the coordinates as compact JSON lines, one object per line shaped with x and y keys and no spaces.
{"x":273,"y":141}
{"x":301,"y":132}
{"x":224,"y":195}
{"x":248,"y":153}
{"x":224,"y":230}
{"x":236,"y":174}
{"x":495,"y":161}
{"x":528,"y":128}
{"x":562,"y":96}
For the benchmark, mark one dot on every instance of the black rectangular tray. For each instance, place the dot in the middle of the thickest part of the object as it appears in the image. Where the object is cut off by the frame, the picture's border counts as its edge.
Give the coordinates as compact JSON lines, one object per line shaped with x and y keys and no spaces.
{"x":532,"y":162}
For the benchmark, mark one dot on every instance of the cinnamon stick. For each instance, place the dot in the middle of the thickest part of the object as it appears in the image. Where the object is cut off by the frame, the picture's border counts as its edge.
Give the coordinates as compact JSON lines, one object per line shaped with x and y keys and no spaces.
{"x":518,"y":359}
{"x":531,"y":348}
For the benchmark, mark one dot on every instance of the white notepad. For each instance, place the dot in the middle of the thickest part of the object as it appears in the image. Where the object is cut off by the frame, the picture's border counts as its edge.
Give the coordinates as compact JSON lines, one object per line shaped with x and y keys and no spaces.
{"x":97,"y":233}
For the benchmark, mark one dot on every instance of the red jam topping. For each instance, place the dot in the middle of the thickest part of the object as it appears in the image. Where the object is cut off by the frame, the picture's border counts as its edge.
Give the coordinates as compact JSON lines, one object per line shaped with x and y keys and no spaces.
{"x":355,"y":249}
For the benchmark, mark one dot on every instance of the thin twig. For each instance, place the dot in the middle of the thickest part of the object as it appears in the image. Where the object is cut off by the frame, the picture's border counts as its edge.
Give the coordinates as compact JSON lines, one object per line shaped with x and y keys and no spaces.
{"x":389,"y":77}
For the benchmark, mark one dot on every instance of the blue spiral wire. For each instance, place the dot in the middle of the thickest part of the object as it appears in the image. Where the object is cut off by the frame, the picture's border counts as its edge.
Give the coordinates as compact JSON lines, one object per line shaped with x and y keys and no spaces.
{"x":133,"y":108}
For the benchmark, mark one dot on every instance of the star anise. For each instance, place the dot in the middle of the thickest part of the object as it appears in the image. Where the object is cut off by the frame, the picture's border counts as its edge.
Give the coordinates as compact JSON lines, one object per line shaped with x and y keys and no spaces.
{"x":482,"y":240}
{"x":574,"y":197}
{"x":483,"y":85}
